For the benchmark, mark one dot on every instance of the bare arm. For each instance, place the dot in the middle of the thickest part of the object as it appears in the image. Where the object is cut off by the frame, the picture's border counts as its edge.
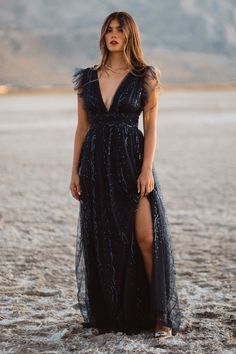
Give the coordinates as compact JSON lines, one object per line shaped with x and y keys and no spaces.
{"x":80,"y":133}
{"x":81,"y":130}
{"x":145,"y":182}
{"x":150,"y":130}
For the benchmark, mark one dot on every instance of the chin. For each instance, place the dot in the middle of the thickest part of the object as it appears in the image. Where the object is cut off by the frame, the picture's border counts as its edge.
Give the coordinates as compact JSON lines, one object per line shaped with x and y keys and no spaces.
{"x":115,"y":49}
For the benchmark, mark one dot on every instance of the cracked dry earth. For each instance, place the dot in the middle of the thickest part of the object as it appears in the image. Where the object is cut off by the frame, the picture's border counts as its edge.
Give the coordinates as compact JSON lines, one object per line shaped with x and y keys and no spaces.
{"x":196,"y":163}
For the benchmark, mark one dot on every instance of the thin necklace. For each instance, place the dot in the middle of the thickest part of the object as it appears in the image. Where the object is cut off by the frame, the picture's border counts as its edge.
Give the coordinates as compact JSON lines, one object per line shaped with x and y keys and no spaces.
{"x":115,"y":71}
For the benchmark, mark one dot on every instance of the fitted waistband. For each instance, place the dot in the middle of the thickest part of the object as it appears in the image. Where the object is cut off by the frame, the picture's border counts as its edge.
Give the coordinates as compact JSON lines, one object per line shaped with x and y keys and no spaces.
{"x":129,"y":118}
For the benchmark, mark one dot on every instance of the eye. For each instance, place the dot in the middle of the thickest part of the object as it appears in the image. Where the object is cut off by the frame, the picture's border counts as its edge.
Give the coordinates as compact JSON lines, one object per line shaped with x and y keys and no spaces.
{"x":108,"y":30}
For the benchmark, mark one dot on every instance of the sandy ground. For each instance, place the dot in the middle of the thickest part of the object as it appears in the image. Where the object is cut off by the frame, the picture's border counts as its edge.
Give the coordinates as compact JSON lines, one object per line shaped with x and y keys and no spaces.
{"x":196,"y":163}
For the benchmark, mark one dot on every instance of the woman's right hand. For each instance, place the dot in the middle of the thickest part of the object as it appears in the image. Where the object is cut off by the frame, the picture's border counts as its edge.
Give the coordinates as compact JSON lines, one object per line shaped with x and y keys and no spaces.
{"x":75,"y":186}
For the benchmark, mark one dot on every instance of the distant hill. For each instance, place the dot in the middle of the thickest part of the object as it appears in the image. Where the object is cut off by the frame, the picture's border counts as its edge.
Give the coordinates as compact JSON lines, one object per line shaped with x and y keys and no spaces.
{"x":191,"y":41}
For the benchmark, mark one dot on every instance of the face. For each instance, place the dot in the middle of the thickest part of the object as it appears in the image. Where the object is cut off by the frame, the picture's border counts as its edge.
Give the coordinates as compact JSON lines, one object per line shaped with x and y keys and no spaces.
{"x":114,"y":37}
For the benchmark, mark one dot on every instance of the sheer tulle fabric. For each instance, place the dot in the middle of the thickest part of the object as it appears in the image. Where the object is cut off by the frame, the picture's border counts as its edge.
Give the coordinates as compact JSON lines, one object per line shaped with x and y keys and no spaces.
{"x":113,"y":289}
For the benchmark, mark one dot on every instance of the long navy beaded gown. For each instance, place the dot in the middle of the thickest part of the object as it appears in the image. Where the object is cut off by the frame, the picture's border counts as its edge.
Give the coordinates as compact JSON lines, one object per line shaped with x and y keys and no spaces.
{"x":114,"y":293}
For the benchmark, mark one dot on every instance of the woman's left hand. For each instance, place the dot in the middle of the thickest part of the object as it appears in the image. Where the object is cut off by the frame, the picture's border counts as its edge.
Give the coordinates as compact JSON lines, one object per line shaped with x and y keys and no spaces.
{"x":145,"y":182}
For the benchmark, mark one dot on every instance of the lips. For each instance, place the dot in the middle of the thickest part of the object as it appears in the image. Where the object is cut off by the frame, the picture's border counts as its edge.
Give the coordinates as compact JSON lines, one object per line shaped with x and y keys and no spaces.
{"x":113,"y":42}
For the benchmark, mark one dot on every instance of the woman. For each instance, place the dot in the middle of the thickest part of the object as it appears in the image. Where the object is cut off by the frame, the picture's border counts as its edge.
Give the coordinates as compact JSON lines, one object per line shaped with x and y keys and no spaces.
{"x":124,"y":263}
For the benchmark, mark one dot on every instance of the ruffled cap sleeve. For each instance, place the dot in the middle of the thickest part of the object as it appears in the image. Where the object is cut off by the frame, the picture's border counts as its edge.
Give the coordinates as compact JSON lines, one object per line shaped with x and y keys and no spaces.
{"x":78,"y":80}
{"x":151,"y":87}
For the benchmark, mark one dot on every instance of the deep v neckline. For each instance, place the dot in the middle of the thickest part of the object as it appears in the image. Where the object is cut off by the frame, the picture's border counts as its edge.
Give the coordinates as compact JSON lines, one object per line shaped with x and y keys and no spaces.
{"x":115,"y":94}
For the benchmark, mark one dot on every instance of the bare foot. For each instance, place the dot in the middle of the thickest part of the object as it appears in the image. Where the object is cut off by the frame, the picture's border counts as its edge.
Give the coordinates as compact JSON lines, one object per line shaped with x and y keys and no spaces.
{"x":162,"y":332}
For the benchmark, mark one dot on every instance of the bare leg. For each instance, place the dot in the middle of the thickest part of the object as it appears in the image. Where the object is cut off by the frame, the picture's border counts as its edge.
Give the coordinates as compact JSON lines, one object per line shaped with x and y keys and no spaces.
{"x":144,"y":234}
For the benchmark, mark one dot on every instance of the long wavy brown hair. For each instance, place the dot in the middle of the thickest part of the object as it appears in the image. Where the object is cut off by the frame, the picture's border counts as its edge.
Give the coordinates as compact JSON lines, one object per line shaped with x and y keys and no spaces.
{"x":133,"y":53}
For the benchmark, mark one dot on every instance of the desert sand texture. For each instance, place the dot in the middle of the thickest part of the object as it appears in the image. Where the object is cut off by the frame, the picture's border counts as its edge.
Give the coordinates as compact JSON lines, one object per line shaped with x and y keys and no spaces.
{"x":196,"y":165}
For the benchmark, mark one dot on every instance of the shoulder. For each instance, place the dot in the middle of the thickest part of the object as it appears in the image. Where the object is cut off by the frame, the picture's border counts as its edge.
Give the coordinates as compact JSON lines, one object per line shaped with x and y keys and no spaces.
{"x":152,"y":73}
{"x":151,"y":78}
{"x":151,"y":84}
{"x":80,"y":76}
{"x":79,"y":72}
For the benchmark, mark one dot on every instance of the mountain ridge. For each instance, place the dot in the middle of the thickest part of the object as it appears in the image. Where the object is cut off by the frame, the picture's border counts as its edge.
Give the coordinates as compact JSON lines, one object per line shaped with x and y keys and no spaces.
{"x":191,"y":42}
